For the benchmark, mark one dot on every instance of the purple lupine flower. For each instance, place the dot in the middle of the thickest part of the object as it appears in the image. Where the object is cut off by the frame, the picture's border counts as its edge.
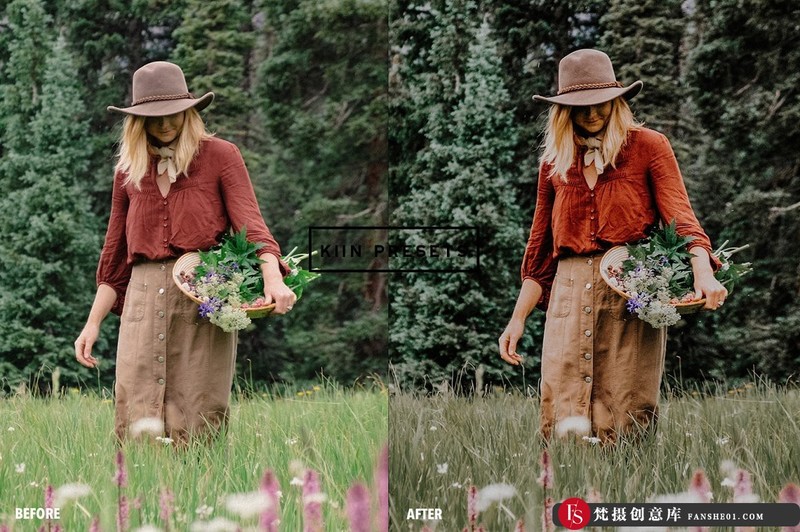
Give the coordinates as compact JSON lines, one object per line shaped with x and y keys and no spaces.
{"x":48,"y":496}
{"x":472,"y":506}
{"x":790,"y":493}
{"x":520,"y":526}
{"x":312,"y":502}
{"x":165,"y":501}
{"x":634,"y":304}
{"x":207,"y":308}
{"x":382,"y":482}
{"x":122,"y":514}
{"x":700,"y":487}
{"x":4,"y":528}
{"x":270,"y":486}
{"x":358,"y":506}
{"x":94,"y":527}
{"x":547,"y":515}
{"x":743,"y":487}
{"x":121,"y":476}
{"x":545,"y":479}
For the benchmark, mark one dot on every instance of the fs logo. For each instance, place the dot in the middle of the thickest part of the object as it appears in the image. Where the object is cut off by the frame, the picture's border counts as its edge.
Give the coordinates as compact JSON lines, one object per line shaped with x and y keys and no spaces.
{"x":574,"y":513}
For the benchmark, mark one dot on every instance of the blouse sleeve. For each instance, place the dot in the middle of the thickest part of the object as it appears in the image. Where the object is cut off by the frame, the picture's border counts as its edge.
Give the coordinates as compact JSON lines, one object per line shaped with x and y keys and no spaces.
{"x":113,"y":268}
{"x":672,"y":198}
{"x":539,"y":263}
{"x":242,"y":207}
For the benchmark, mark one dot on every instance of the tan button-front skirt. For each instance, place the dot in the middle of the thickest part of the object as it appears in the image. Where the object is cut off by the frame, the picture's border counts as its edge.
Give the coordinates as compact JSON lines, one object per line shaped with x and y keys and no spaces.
{"x":598,"y":361}
{"x":171,"y":364}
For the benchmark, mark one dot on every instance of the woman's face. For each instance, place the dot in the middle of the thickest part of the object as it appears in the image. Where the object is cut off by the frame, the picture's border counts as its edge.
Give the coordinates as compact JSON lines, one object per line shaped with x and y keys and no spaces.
{"x":165,"y":128}
{"x":591,"y":118}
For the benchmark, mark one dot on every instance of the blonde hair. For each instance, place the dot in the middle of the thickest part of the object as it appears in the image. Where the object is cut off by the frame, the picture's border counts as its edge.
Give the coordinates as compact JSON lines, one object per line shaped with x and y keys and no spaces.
{"x":558,"y":148}
{"x":134,"y":158}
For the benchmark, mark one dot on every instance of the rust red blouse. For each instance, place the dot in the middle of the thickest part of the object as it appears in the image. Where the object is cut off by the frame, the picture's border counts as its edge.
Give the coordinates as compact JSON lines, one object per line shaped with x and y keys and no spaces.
{"x":199,"y":208}
{"x":572,"y":219}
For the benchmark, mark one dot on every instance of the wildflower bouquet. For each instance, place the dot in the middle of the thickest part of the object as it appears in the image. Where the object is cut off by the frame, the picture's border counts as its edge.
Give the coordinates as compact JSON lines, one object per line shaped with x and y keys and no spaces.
{"x":228,"y":284}
{"x":656,"y":276}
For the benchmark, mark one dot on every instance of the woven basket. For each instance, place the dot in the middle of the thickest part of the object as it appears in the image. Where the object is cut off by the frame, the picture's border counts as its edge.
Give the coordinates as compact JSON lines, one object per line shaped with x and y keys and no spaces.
{"x":187,"y":262}
{"x":614,"y":258}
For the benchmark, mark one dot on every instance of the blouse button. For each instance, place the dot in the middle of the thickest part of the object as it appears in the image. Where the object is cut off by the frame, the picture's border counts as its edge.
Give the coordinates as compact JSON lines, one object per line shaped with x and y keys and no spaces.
{"x":160,"y":290}
{"x":587,"y":310}
{"x":161,"y":336}
{"x":161,"y":381}
{"x":588,"y":286}
{"x":163,"y":267}
{"x":587,"y":379}
{"x":589,"y":261}
{"x":161,"y":359}
{"x":587,"y":332}
{"x":587,"y":356}
{"x":160,"y":313}
{"x":165,"y":225}
{"x":165,"y":202}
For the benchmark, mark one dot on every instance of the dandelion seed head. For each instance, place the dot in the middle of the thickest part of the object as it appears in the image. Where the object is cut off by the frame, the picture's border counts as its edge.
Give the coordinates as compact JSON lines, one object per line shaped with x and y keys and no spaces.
{"x":684,"y":497}
{"x":220,"y":524}
{"x":204,"y":511}
{"x":728,"y":468}
{"x":147,"y":425}
{"x":442,"y":468}
{"x":247,"y":505}
{"x":494,"y":493}
{"x":297,"y":468}
{"x":70,"y":492}
{"x":578,"y":424}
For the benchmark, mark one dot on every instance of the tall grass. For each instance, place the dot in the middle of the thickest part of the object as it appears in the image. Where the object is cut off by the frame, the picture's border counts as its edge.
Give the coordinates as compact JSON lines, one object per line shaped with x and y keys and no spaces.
{"x":494,"y":440}
{"x":336,"y":433}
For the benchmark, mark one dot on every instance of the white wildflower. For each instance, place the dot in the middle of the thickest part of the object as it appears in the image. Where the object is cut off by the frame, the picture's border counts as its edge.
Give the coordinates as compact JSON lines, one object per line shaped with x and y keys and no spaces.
{"x":204,"y":511}
{"x":315,"y":498}
{"x":578,"y":424}
{"x":291,"y":441}
{"x":149,"y":425}
{"x":165,"y":441}
{"x":296,"y":481}
{"x":220,"y":524}
{"x":19,"y":468}
{"x":728,"y":468}
{"x":441,"y":468}
{"x":247,"y":504}
{"x":591,"y":439}
{"x":728,"y":482}
{"x":11,"y":429}
{"x":494,"y":493}
{"x":723,"y":440}
{"x":297,"y":468}
{"x":684,"y":497}
{"x":70,"y":492}
{"x":457,"y":485}
{"x":433,"y":428}
{"x":148,"y":528}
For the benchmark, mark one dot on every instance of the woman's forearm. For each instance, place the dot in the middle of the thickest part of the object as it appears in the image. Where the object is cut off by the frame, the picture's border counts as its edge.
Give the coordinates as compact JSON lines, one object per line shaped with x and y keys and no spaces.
{"x":103,"y":301}
{"x":529,"y":296}
{"x":270,"y":268}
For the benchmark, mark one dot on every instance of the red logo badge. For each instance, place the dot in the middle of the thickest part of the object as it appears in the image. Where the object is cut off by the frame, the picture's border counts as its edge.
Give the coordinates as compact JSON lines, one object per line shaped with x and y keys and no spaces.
{"x":574,"y":513}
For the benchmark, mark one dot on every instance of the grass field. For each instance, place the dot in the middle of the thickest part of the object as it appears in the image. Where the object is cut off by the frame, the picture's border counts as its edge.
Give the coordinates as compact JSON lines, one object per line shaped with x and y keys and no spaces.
{"x":337,"y":433}
{"x":439,"y":446}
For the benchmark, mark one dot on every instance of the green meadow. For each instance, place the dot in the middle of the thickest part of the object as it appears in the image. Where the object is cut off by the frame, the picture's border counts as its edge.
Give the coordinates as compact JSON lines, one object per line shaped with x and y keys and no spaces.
{"x":338,"y":433}
{"x":439,"y":446}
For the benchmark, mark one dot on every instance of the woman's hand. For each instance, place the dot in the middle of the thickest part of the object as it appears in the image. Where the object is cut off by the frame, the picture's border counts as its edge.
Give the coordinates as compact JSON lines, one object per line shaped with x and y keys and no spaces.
{"x":508,"y":341}
{"x":705,"y":284}
{"x":84,"y":343}
{"x":276,"y":291}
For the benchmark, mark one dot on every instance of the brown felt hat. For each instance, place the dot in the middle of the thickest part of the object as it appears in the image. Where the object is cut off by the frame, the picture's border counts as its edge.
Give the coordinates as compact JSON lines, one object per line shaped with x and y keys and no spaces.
{"x":159,"y":89}
{"x":586,"y":77}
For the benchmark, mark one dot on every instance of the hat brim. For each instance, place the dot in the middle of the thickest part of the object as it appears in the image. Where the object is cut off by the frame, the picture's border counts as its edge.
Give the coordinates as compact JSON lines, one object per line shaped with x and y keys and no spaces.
{"x":593,"y":96}
{"x":165,"y":107}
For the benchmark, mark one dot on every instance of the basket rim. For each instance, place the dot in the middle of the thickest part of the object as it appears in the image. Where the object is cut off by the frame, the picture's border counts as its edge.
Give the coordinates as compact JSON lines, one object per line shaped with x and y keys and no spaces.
{"x":622,"y":251}
{"x":193,"y":258}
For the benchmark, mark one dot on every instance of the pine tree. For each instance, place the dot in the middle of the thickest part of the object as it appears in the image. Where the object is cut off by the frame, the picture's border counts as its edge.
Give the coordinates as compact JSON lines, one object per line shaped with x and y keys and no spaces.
{"x":643,"y":39}
{"x":445,"y":325}
{"x":50,"y":238}
{"x":214,"y":43}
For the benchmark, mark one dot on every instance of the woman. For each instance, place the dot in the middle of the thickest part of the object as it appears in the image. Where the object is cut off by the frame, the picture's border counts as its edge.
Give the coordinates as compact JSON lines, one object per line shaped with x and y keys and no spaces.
{"x":177,"y":188}
{"x":604,"y":180}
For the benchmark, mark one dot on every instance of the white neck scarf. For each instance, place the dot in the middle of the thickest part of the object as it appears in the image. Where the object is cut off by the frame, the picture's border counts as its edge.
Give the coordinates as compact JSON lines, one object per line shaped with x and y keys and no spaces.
{"x":594,"y":154}
{"x":166,"y":161}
